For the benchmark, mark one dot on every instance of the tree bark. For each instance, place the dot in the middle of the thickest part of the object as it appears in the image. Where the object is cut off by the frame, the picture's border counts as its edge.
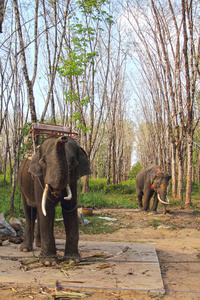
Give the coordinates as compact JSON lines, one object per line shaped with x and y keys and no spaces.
{"x":1,"y":14}
{"x":56,"y":61}
{"x":173,"y":168}
{"x":29,"y":84}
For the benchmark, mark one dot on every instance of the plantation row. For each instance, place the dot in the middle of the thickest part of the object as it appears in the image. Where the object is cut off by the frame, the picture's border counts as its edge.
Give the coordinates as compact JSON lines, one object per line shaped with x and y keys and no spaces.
{"x":100,"y":195}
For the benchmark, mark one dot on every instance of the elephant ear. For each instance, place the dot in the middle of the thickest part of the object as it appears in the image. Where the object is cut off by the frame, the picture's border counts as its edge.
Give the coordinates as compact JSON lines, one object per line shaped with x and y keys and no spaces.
{"x":83,"y":167}
{"x":156,"y":176}
{"x":153,"y":177}
{"x":35,"y":167}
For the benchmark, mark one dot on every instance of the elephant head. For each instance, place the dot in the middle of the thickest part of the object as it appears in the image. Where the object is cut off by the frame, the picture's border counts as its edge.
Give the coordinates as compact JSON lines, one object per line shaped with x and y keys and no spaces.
{"x":160,"y":183}
{"x":55,"y":160}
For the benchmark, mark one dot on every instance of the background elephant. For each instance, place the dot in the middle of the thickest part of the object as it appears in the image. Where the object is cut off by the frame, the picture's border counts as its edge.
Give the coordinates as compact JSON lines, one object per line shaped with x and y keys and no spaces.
{"x":51,"y":176}
{"x":151,"y":181}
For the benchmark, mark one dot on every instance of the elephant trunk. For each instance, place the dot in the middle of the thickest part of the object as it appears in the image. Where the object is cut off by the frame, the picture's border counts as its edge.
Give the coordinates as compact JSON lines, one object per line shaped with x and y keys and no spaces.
{"x":163,"y":202}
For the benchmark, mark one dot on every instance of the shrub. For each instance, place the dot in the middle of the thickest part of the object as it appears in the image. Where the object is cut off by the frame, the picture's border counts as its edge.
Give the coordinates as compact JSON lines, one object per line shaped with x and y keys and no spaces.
{"x":97,"y":185}
{"x":118,"y":189}
{"x":93,"y":199}
{"x":135,"y":170}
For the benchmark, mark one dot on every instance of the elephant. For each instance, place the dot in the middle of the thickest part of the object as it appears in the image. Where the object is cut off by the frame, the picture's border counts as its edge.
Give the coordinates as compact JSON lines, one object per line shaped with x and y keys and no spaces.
{"x":149,"y":181}
{"x":45,"y":180}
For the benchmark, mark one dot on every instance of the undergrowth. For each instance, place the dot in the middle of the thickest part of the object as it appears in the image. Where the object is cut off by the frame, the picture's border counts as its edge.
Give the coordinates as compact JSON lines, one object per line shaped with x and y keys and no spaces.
{"x":100,"y":196}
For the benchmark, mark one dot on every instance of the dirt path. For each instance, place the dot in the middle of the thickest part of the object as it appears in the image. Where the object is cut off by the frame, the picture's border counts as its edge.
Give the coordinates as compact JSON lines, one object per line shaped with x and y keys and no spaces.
{"x":176,"y":237}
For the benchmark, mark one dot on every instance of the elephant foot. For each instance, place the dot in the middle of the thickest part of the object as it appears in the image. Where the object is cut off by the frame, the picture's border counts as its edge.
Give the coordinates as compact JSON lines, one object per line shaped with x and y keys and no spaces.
{"x":72,"y":255}
{"x":25,"y":247}
{"x":48,"y":260}
{"x":145,"y":211}
{"x":154,"y":212}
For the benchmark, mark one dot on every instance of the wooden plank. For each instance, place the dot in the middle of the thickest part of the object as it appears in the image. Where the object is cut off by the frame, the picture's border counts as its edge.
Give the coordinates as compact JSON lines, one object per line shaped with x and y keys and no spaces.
{"x":42,"y":128}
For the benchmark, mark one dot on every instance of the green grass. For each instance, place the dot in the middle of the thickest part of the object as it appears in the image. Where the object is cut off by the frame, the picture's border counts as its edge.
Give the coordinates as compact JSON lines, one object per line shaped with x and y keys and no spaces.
{"x":155,"y":223}
{"x":103,"y":200}
{"x":100,"y":196}
{"x":5,"y":194}
{"x":196,"y":213}
{"x":97,"y":226}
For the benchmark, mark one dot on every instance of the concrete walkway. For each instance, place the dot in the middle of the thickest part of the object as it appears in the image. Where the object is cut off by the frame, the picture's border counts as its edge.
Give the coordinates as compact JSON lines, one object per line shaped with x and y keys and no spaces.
{"x":106,"y":265}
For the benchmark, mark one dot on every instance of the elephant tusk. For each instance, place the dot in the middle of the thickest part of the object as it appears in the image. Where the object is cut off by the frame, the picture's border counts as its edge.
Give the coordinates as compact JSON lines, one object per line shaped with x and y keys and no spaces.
{"x":44,"y":198}
{"x":162,"y":200}
{"x":69,"y":197}
{"x":168,"y":200}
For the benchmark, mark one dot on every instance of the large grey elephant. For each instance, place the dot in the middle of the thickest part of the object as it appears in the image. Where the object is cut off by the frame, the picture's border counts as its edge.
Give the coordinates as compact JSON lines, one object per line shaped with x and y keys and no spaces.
{"x":149,"y":181}
{"x":51,"y":176}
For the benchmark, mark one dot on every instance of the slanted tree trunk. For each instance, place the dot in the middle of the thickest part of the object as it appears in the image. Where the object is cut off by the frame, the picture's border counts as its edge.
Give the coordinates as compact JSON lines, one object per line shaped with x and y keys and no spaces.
{"x":85,"y":189}
{"x":1,"y":14}
{"x":180,"y":178}
{"x":109,"y":160}
{"x":173,"y":168}
{"x":29,"y":83}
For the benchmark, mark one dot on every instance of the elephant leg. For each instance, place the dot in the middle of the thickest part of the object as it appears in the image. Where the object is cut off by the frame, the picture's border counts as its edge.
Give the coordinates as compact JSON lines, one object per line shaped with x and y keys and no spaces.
{"x":140,"y":200}
{"x":70,"y":217}
{"x":147,"y":197}
{"x":30,"y":216}
{"x":48,"y":247}
{"x":46,"y":229}
{"x":155,"y":203}
{"x":46,"y":223}
{"x":164,"y":209}
{"x":37,"y":233}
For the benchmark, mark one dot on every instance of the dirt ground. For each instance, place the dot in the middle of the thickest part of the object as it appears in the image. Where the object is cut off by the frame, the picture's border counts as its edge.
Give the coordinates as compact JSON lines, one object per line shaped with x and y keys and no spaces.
{"x":176,"y":237}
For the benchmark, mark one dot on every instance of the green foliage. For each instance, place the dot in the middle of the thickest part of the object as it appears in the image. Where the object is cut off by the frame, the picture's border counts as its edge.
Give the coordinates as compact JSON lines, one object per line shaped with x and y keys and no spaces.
{"x":81,"y":53}
{"x":5,"y":194}
{"x":126,"y":187}
{"x":26,"y":146}
{"x":97,"y":185}
{"x":195,"y":188}
{"x":196,"y":213}
{"x":94,"y":8}
{"x":93,"y":199}
{"x":100,"y":195}
{"x":122,"y":201}
{"x":118,"y":189}
{"x":135,"y":170}
{"x":100,"y":200}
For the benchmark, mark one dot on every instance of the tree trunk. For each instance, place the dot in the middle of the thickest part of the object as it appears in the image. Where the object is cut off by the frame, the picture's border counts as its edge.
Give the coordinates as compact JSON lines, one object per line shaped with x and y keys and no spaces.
{"x":109,"y":160}
{"x":188,"y":201}
{"x":85,"y":189}
{"x":114,"y":157}
{"x":24,"y":63}
{"x":1,"y":14}
{"x":173,"y":167}
{"x":56,"y":61}
{"x":180,"y":178}
{"x":197,"y":173}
